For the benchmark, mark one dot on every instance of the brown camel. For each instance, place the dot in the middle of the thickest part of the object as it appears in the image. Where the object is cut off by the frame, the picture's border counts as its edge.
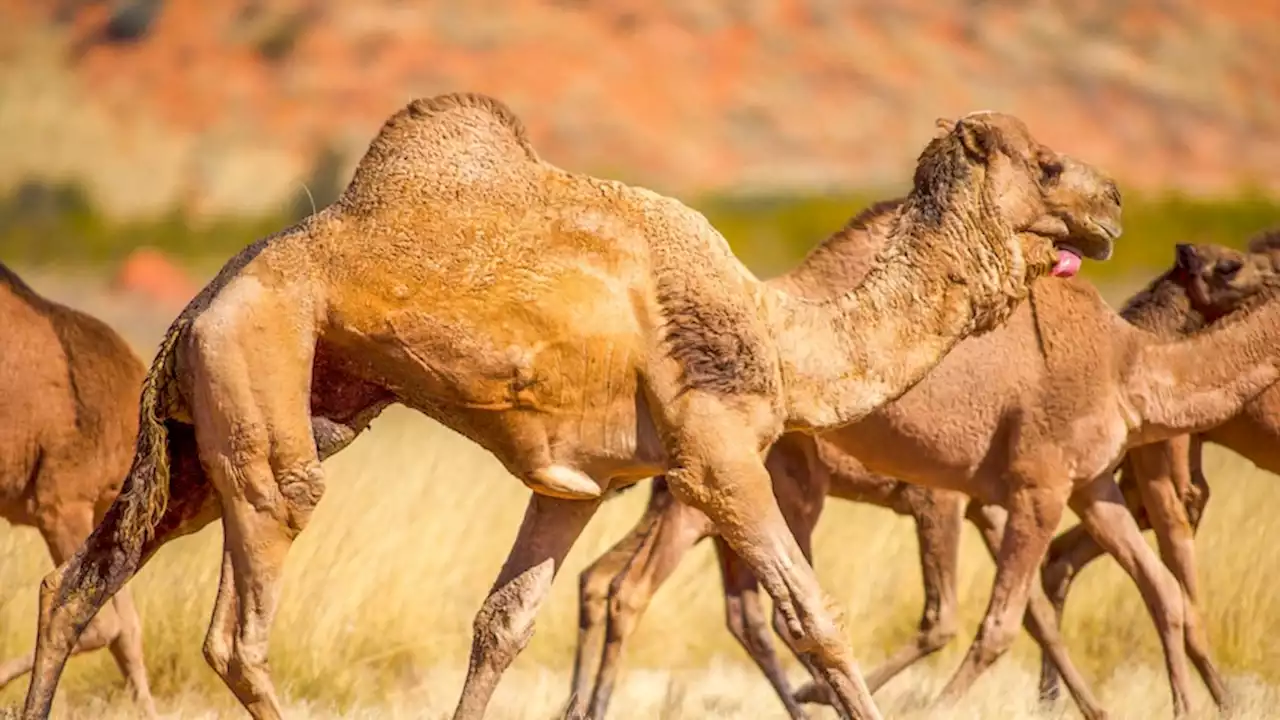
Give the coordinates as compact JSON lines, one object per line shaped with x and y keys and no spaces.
{"x":610,"y":605}
{"x":1208,"y":283}
{"x":69,"y":387}
{"x":587,"y":333}
{"x":1027,"y":419}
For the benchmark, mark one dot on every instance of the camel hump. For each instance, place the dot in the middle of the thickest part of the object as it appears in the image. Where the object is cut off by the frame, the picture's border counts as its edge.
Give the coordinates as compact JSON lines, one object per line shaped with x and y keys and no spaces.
{"x":433,"y":146}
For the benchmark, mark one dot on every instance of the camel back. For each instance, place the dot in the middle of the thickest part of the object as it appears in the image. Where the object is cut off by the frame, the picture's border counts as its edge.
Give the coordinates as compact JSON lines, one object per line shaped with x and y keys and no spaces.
{"x":1163,"y":308}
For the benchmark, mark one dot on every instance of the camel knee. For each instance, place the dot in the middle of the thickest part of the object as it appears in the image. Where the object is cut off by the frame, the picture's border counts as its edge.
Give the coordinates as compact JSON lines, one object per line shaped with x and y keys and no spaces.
{"x":627,"y":601}
{"x":809,"y":632}
{"x":1197,"y":498}
{"x":995,"y":638}
{"x":593,"y":596}
{"x":748,"y":627}
{"x":937,"y":628}
{"x":56,"y":618}
{"x":735,"y":619}
{"x":1055,"y":578}
{"x":217,"y":651}
{"x":301,"y":486}
{"x":239,"y":663}
{"x":505,"y":622}
{"x":1169,"y":596}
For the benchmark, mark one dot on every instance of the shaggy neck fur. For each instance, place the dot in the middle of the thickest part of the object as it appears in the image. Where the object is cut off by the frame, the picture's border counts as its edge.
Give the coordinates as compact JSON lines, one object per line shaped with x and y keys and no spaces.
{"x":947,"y":270}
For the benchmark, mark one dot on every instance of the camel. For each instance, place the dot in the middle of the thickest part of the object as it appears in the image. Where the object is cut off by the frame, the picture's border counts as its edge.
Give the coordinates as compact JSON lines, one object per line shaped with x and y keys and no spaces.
{"x":609,"y":607}
{"x":1023,"y":418}
{"x":587,"y":333}
{"x":70,"y":387}
{"x":1208,"y":283}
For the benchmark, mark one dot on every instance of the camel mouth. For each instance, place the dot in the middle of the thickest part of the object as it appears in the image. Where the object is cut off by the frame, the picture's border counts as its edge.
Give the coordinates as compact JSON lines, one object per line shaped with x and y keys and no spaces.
{"x":1096,"y":241}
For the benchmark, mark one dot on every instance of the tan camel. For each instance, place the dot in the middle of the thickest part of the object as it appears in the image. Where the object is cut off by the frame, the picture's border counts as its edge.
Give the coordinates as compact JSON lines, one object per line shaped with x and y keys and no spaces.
{"x":610,"y":604}
{"x":1027,"y":417}
{"x":587,"y":333}
{"x":1208,"y":283}
{"x":68,"y":415}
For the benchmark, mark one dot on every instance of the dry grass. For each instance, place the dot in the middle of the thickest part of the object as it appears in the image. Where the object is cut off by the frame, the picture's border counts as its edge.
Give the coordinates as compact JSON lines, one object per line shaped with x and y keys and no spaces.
{"x":380,"y":592}
{"x":381,"y":589}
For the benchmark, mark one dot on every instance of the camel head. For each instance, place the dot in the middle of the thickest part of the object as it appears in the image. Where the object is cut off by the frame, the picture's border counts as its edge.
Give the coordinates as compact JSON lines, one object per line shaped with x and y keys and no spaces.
{"x":1058,"y":209}
{"x":1218,"y":279}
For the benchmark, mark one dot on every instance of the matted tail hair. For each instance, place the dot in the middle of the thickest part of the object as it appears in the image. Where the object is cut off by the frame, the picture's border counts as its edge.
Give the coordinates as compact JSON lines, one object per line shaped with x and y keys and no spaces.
{"x":145,"y":493}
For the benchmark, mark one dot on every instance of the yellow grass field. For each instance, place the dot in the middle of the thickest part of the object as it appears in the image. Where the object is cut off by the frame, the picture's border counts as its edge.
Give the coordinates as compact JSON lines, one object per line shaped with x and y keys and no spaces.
{"x":381,"y":589}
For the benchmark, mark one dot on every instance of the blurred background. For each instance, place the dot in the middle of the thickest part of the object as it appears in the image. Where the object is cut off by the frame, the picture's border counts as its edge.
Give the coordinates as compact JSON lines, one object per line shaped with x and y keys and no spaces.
{"x":143,"y":142}
{"x":194,"y":127}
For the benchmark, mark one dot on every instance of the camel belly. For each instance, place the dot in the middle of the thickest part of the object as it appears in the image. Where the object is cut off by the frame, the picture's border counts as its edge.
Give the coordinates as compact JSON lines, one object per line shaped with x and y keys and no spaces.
{"x":1255,"y":432}
{"x":553,"y":392}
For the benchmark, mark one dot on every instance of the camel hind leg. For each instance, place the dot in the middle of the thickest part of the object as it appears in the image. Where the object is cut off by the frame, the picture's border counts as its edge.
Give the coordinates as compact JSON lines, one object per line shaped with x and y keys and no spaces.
{"x":670,"y":531}
{"x":937,"y":517}
{"x":76,"y":590}
{"x":250,"y":400}
{"x":115,"y":626}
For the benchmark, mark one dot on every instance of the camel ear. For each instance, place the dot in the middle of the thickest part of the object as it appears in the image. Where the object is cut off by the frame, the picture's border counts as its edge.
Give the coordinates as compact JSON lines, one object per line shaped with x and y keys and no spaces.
{"x":944,"y":126}
{"x":976,"y":137}
{"x":1188,"y":258}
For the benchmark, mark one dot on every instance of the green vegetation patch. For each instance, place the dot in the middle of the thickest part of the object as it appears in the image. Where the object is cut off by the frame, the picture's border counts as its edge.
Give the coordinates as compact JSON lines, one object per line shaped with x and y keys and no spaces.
{"x":51,"y":225}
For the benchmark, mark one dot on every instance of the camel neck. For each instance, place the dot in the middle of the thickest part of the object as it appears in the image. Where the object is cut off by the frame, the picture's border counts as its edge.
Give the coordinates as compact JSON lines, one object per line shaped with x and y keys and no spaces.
{"x":846,"y":355}
{"x":1204,"y":380}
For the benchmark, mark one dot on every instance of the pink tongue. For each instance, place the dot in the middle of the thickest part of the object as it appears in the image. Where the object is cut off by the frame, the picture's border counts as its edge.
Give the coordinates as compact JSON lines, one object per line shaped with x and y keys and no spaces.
{"x":1068,"y":264}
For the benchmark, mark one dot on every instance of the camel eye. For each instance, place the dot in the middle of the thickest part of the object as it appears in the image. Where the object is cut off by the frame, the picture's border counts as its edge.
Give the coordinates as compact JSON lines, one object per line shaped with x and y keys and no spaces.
{"x":1227,"y":269}
{"x":1050,"y":171}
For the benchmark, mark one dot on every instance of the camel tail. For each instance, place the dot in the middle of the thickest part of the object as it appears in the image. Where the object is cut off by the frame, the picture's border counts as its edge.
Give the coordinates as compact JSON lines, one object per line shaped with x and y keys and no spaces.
{"x":145,"y":494}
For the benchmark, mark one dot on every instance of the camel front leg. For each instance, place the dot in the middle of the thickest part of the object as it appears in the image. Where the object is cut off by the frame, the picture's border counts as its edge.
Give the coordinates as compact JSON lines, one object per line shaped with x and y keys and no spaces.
{"x":505,"y":621}
{"x":1071,"y":551}
{"x":1102,"y":511}
{"x":1040,"y":619}
{"x":715,"y":471}
{"x":1154,"y":468}
{"x":1033,"y":515}
{"x":745,"y":616}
